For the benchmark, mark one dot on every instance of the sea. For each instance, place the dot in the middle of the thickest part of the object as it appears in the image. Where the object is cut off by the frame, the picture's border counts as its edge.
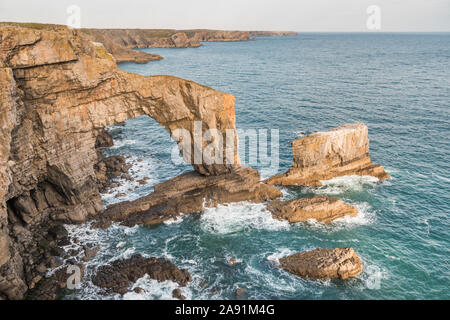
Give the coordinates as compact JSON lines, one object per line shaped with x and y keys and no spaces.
{"x":398,"y":84}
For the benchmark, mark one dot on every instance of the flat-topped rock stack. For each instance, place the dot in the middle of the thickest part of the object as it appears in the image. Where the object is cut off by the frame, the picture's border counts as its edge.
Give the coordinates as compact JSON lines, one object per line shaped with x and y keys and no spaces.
{"x":189,"y":193}
{"x":325,"y":155}
{"x":320,"y":208}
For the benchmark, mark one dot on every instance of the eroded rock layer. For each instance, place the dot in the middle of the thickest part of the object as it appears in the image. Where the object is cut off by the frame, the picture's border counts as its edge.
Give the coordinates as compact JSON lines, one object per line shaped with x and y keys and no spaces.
{"x":323,"y":264}
{"x":191,"y":192}
{"x":325,"y":155}
{"x":320,"y":208}
{"x":58,"y":91}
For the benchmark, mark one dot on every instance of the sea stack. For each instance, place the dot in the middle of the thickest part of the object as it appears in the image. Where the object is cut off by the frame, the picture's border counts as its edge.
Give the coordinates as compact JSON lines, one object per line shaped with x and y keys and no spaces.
{"x":325,"y":155}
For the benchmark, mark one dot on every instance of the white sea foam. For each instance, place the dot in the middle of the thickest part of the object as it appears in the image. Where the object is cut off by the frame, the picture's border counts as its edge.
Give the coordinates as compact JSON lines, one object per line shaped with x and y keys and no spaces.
{"x":130,"y":189}
{"x":239,"y":216}
{"x":176,"y":220}
{"x":343,"y":184}
{"x":366,"y":215}
{"x":153,"y":290}
{"x":280,"y":253}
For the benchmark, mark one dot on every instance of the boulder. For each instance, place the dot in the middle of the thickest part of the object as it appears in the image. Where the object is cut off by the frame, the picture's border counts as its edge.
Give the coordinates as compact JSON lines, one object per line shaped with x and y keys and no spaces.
{"x":323,"y":264}
{"x":325,"y":155}
{"x":320,"y":208}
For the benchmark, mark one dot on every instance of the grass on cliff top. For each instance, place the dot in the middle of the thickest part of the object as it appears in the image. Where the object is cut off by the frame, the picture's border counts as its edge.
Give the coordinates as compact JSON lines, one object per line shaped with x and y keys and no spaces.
{"x":33,"y":25}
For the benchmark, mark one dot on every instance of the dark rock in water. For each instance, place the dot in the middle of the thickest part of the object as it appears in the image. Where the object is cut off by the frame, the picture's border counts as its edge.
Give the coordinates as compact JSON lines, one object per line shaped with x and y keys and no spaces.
{"x":241,"y":293}
{"x":120,"y":274}
{"x":138,"y":290}
{"x":109,"y":168}
{"x":189,"y":193}
{"x":54,"y":262}
{"x":323,"y":264}
{"x":89,"y":253}
{"x":177,"y":294}
{"x":104,"y":140}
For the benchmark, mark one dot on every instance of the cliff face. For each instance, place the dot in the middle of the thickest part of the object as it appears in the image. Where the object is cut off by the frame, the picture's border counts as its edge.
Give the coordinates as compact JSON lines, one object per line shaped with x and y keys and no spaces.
{"x":58,"y":91}
{"x":325,"y":155}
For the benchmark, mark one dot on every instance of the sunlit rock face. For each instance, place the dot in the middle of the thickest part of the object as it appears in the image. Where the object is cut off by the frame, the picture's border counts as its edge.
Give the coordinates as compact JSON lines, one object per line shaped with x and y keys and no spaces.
{"x":325,"y":155}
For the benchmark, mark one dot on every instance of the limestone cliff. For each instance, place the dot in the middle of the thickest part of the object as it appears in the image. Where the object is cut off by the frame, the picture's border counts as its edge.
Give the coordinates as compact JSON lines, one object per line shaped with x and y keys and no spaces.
{"x":325,"y":155}
{"x":58,"y":91}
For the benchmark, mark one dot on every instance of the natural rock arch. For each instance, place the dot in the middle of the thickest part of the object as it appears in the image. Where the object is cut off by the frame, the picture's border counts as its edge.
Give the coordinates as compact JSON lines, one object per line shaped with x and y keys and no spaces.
{"x":58,"y":90}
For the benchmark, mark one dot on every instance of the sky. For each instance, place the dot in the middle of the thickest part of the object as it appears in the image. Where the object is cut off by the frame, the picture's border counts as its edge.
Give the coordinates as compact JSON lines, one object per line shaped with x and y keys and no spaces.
{"x":295,"y":15}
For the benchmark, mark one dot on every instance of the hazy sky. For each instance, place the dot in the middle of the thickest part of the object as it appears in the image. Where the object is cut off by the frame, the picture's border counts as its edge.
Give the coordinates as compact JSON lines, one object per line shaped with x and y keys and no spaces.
{"x":297,"y":15}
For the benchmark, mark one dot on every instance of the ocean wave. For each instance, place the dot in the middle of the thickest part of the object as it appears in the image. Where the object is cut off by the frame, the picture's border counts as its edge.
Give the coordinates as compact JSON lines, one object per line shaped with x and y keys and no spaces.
{"x":240,"y":216}
{"x":340,"y":185}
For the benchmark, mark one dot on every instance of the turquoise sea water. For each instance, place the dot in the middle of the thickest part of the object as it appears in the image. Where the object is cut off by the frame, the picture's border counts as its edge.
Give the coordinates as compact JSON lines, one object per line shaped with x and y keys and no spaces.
{"x":397,"y":84}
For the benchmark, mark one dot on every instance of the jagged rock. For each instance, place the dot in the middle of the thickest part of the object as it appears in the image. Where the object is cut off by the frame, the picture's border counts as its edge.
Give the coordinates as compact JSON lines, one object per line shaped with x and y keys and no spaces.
{"x":320,"y":208}
{"x":188,"y":193}
{"x":120,"y":274}
{"x":323,"y":264}
{"x":89,"y":253}
{"x":326,"y":155}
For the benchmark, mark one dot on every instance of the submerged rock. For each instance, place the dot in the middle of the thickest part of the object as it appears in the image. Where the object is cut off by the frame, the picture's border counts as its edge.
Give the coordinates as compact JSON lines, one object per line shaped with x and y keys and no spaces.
{"x":120,"y":274}
{"x":323,"y":264}
{"x":177,"y":294}
{"x":189,"y":193}
{"x":58,"y":91}
{"x":325,"y":155}
{"x":320,"y":208}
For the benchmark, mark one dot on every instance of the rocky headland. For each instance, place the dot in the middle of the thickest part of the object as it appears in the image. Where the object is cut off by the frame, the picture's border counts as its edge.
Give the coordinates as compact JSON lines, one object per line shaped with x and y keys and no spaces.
{"x":325,"y":155}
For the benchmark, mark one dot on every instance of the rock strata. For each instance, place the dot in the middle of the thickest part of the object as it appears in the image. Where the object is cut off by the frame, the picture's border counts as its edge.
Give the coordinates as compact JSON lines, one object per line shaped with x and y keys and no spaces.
{"x":325,"y":155}
{"x":120,"y":274}
{"x":320,"y":208}
{"x":188,"y":193}
{"x":323,"y":264}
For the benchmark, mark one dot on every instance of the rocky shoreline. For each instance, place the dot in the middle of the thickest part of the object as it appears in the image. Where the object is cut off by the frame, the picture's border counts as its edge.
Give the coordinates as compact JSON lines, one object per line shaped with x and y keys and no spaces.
{"x":120,"y":42}
{"x":59,"y":90}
